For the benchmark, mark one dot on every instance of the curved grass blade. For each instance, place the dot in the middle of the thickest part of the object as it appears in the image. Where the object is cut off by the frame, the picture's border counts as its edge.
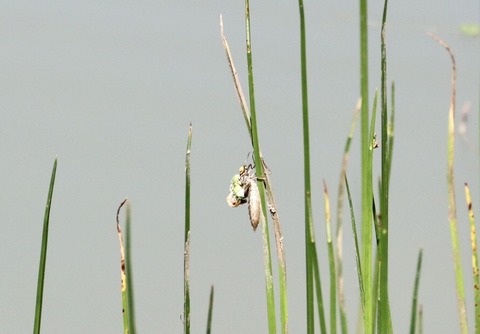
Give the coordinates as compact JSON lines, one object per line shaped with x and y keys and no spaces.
{"x":236,"y":80}
{"x":43,"y":254}
{"x":413,"y":319}
{"x":125,"y":303}
{"x":452,"y":208}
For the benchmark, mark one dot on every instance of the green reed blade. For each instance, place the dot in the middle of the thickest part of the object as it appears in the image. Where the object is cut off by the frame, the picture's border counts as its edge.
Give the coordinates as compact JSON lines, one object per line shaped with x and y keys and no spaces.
{"x":43,"y":254}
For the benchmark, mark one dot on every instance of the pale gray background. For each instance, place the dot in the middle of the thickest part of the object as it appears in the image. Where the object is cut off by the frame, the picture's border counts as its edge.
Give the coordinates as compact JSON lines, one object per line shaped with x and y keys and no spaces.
{"x":110,"y":87}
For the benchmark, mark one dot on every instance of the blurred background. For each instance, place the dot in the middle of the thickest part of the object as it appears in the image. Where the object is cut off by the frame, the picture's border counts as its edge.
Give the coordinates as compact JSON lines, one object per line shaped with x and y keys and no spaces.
{"x":110,"y":88}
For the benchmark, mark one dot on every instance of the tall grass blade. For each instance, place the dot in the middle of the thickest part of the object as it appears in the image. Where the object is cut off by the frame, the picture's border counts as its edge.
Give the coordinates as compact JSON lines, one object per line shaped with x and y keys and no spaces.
{"x":128,"y":269}
{"x":124,"y":290}
{"x":357,"y":248}
{"x":210,"y":312}
{"x":339,"y":231}
{"x":376,"y":278}
{"x":272,"y":326}
{"x":384,"y":316}
{"x":318,"y":289}
{"x":309,"y":245}
{"x":374,"y":145}
{"x":413,"y":319}
{"x":452,"y":209}
{"x":475,"y":270}
{"x":367,"y":251}
{"x":331,"y":263}
{"x":264,"y":176}
{"x":282,"y":265}
{"x":186,"y":241}
{"x":43,"y":254}
{"x":377,"y":265}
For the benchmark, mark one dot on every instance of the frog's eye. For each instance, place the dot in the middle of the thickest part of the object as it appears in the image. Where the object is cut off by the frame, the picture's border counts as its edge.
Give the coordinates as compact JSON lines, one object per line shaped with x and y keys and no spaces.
{"x":242,"y":170}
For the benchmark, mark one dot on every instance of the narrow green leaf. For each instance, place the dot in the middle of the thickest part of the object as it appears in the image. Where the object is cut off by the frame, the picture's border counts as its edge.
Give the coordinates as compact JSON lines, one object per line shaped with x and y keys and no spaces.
{"x":129,"y":270}
{"x":357,"y":248}
{"x":339,"y":232}
{"x":272,"y":325}
{"x":331,"y":263}
{"x":366,"y":141}
{"x":43,"y":254}
{"x":413,"y":319}
{"x":318,"y":289}
{"x":384,"y":316}
{"x":309,"y":245}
